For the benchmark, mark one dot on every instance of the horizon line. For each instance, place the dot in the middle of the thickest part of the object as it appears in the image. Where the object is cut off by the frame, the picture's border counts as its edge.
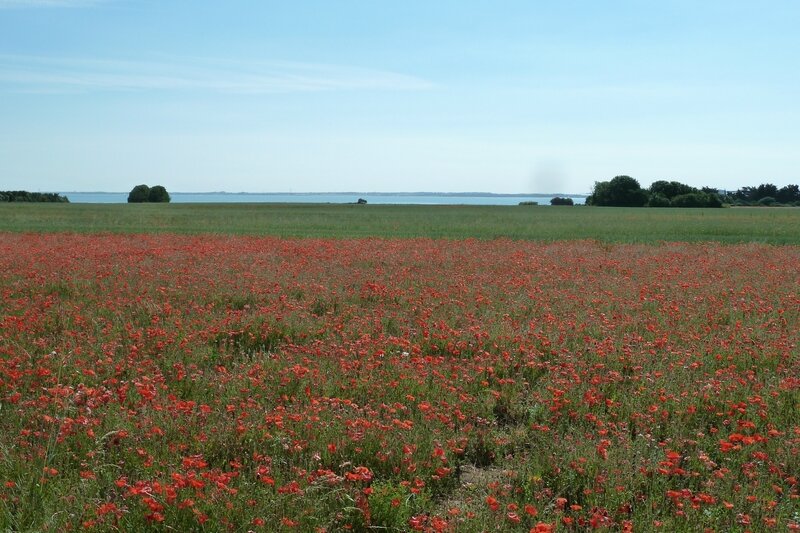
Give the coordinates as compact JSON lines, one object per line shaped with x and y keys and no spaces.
{"x":373,"y":193}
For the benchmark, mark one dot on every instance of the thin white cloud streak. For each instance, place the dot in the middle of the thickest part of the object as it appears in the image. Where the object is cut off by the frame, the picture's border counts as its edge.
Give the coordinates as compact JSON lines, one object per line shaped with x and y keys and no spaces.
{"x":23,"y":4}
{"x":34,"y":74}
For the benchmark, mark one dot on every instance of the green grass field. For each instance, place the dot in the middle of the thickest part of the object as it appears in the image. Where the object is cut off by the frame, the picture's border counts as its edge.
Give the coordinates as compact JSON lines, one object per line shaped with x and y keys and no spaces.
{"x":773,"y":226}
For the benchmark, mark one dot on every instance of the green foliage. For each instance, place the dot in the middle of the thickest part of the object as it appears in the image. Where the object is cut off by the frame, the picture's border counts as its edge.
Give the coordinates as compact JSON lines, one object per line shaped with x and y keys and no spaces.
{"x":767,"y":201}
{"x":766,"y":190}
{"x":139,"y":194}
{"x":561,"y":201}
{"x":675,"y":194}
{"x":696,"y":199}
{"x":621,"y":191}
{"x":658,"y":200}
{"x":158,"y":194}
{"x":691,"y":199}
{"x":392,"y":505}
{"x":670,"y":189}
{"x":26,"y":196}
{"x":529,"y":202}
{"x":788,"y":194}
{"x":624,"y":191}
{"x":713,"y":200}
{"x":144,"y":193}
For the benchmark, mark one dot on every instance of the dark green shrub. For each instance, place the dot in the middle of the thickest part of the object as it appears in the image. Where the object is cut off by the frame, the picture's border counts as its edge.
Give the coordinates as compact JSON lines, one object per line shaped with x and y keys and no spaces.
{"x":158,"y":194}
{"x":767,"y":201}
{"x":25,"y":196}
{"x":658,"y":200}
{"x":670,"y":189}
{"x":713,"y":200}
{"x":561,"y":201}
{"x":697,"y":199}
{"x":139,"y":194}
{"x":143,"y":193}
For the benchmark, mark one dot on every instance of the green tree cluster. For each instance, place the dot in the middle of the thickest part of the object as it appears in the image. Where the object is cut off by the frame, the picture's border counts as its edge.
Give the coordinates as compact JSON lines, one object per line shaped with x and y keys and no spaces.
{"x":26,"y":196}
{"x":664,"y":193}
{"x":621,"y":191}
{"x":558,"y":200}
{"x":625,"y":191}
{"x":143,"y":193}
{"x":765,"y":194}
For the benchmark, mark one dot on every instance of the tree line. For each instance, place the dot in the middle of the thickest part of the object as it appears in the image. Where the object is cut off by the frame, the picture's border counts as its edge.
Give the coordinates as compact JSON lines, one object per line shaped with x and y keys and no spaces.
{"x":625,"y":191}
{"x":766,"y":194}
{"x":27,"y":196}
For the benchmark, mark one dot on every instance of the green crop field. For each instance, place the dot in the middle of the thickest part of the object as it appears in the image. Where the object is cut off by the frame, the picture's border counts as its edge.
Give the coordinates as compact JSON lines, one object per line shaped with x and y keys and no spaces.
{"x":764,"y":225}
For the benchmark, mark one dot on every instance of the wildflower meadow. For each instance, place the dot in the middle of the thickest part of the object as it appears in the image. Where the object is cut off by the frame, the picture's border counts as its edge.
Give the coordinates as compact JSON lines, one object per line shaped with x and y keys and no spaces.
{"x":235,"y":383}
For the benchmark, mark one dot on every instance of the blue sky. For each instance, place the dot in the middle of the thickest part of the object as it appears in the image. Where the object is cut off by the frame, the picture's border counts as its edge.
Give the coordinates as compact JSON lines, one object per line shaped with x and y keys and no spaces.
{"x":436,"y":95}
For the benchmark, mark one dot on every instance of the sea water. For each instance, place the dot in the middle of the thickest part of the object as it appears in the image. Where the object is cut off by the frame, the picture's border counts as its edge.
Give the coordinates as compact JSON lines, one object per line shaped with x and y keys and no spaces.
{"x":332,"y":198}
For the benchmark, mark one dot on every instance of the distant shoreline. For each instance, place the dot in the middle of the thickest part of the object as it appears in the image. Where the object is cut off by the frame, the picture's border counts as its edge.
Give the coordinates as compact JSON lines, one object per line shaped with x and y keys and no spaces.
{"x":405,"y":198}
{"x":355,"y":193}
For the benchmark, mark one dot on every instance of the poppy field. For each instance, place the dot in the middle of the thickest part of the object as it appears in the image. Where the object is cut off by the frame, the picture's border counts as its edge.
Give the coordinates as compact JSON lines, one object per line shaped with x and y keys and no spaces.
{"x":217,"y":383}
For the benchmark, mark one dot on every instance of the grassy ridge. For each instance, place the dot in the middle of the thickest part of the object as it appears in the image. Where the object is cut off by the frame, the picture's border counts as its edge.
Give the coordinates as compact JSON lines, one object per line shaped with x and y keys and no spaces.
{"x":773,"y":226}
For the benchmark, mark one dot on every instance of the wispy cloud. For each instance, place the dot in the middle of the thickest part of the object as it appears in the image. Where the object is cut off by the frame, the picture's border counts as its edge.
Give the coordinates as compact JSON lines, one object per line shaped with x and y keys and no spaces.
{"x":22,"y":4}
{"x":47,"y":74}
